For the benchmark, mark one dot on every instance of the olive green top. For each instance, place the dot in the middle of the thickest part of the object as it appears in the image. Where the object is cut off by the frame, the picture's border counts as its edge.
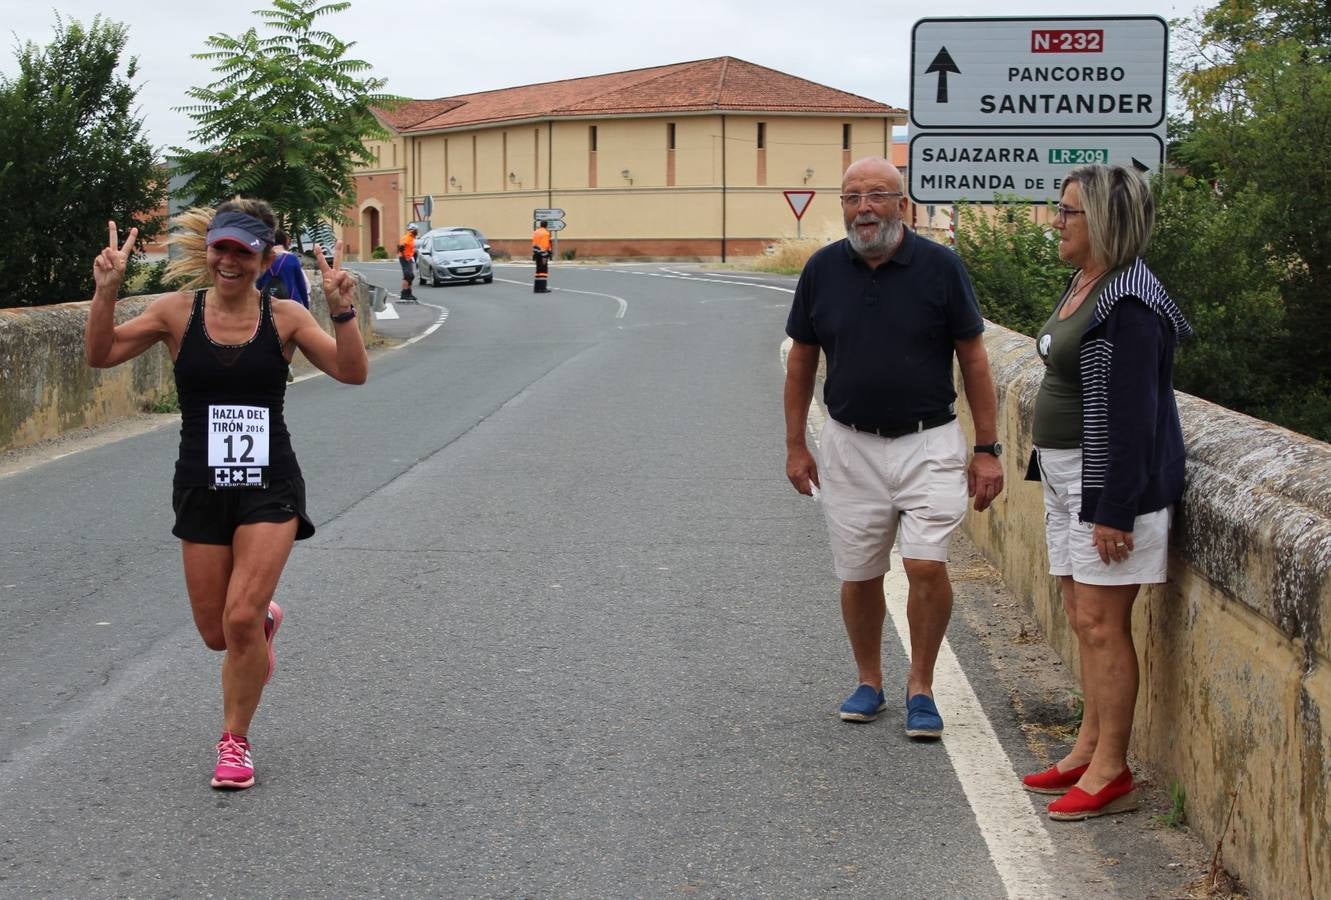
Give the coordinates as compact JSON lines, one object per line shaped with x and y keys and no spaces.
{"x":1057,"y":419}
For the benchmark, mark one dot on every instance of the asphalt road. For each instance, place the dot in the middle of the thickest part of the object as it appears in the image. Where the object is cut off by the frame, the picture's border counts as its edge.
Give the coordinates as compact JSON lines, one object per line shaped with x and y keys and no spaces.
{"x":564,"y":631}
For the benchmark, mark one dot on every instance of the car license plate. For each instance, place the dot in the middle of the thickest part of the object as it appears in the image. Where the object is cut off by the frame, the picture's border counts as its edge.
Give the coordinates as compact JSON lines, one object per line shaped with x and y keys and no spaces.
{"x":465,"y":271}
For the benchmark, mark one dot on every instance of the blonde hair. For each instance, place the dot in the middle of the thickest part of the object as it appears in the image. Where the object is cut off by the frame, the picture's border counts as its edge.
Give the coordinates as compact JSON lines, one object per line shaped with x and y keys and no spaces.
{"x":1120,"y":212}
{"x":189,"y":240}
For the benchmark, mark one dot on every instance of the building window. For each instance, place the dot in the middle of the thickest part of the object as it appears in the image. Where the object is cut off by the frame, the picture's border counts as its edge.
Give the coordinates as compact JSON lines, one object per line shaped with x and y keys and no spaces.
{"x":845,"y":136}
{"x":591,"y":138}
{"x":670,"y":135}
{"x":762,"y":135}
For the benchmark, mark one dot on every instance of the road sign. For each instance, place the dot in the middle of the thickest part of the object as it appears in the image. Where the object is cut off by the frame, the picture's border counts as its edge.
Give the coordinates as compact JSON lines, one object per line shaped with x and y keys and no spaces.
{"x":1100,"y":73}
{"x":799,"y":201}
{"x":547,"y":214}
{"x":427,"y":206}
{"x":946,"y":167}
{"x":551,"y":224}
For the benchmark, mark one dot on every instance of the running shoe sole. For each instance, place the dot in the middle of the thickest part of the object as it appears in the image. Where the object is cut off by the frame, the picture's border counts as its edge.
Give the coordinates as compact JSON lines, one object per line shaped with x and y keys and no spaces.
{"x":231,"y":785}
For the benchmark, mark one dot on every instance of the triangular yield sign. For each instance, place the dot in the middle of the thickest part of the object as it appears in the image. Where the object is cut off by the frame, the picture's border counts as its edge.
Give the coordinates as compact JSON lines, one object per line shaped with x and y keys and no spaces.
{"x":799,"y":201}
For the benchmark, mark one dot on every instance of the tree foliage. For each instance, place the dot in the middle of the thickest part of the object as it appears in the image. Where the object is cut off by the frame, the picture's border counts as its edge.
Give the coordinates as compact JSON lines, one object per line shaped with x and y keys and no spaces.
{"x":74,"y":157}
{"x":1013,"y":263}
{"x":1259,"y":92}
{"x":1231,"y":299}
{"x":287,"y":118}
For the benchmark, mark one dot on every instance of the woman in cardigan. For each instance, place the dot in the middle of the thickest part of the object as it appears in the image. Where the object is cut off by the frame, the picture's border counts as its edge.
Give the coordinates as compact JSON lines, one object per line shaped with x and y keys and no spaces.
{"x":1109,"y":450}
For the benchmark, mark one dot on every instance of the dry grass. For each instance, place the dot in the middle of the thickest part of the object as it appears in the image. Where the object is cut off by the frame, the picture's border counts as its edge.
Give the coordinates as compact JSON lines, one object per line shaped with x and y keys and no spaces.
{"x":787,"y":257}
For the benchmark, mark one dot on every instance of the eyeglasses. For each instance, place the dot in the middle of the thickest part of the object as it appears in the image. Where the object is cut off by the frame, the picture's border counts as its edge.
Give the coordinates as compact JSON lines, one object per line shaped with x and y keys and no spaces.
{"x":875,"y":198}
{"x":1062,"y":212}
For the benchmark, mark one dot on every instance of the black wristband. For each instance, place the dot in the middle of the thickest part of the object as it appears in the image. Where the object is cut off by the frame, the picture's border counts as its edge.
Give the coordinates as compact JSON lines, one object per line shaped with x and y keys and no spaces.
{"x":346,"y":316}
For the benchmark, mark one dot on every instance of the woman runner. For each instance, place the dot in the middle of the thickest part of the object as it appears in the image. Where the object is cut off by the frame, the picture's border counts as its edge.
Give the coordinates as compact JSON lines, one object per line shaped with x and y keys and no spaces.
{"x":238,"y":494}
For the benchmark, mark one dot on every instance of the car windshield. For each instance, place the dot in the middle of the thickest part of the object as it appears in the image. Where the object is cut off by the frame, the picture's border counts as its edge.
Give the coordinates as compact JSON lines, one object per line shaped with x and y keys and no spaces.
{"x":455,"y":242}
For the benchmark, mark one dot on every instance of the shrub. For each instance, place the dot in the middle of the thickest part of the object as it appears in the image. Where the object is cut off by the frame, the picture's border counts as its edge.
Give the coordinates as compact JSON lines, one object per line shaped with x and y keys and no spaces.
{"x":1013,"y":263}
{"x":379,"y":253}
{"x":570,"y":253}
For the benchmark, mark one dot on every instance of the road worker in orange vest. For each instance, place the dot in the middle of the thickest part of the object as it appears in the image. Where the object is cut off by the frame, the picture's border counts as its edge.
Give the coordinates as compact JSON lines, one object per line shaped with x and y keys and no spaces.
{"x":540,"y":254}
{"x":406,"y":257}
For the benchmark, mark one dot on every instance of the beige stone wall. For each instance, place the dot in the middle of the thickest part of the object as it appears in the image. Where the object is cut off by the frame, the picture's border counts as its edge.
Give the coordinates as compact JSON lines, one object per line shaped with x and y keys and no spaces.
{"x":1235,"y":651}
{"x":46,"y":389}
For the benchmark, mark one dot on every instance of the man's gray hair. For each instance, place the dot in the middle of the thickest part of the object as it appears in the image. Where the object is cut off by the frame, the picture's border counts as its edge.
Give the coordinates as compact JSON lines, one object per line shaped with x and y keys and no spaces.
{"x":1120,"y":212}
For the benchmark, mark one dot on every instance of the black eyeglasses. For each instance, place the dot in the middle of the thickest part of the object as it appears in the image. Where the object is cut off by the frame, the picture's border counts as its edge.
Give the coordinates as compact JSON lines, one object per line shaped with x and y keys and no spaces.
{"x":875,"y":198}
{"x":1062,"y":212}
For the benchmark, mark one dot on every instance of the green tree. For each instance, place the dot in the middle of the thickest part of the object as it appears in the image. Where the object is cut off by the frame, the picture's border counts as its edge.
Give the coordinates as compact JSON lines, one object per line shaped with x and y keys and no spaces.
{"x":1259,"y":91}
{"x":286,"y":121}
{"x":75,"y":157}
{"x":1232,"y":299}
{"x":1013,"y":263}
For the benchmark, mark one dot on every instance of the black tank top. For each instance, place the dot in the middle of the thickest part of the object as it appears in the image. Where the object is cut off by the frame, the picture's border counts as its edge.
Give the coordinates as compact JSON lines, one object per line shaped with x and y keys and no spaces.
{"x":232,"y":434}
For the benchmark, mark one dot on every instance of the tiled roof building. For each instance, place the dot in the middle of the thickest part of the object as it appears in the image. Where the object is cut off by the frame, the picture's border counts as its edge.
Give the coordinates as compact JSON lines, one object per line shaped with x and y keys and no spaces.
{"x":689,"y":159}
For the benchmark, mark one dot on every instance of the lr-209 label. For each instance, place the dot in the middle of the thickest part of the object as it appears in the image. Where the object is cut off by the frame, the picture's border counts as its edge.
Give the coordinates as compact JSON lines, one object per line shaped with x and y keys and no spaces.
{"x":1067,"y":156}
{"x":1068,"y":40}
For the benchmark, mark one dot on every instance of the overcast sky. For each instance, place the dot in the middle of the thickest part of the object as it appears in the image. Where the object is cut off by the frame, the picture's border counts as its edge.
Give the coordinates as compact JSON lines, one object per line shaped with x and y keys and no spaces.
{"x":445,"y":47}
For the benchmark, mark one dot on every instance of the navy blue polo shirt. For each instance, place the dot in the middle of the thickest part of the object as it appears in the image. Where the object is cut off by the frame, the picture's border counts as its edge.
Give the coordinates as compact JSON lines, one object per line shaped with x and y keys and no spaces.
{"x":888,"y":332}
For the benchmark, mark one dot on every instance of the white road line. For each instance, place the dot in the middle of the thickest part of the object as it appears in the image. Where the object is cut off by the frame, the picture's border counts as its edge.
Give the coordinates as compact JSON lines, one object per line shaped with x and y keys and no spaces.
{"x":1018,"y":842}
{"x":623,"y":304}
{"x":681,"y":277}
{"x":443,"y":317}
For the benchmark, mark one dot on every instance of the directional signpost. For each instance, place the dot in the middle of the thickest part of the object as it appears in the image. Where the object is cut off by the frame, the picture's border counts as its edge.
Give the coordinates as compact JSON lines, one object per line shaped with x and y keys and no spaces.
{"x":1004,"y":108}
{"x":553,"y":218}
{"x":799,"y":201}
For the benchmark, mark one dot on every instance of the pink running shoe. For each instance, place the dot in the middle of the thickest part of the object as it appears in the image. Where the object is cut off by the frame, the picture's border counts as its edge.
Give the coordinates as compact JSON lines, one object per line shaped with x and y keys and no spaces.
{"x":270,"y":626}
{"x":235,"y":766}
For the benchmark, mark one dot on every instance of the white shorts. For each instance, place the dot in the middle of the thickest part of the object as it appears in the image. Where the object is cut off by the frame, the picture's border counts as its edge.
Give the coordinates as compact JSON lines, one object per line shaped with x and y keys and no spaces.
{"x":1071,"y":551}
{"x":870,"y":485}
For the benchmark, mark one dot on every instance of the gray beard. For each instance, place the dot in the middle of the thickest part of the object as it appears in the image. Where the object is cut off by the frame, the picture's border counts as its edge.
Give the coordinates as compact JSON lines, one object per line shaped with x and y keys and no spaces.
{"x":884,"y":242}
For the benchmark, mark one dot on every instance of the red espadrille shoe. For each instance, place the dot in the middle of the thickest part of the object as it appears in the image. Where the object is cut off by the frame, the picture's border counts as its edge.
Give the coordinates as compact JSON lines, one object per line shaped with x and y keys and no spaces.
{"x":1119,"y":796}
{"x":1052,"y":781}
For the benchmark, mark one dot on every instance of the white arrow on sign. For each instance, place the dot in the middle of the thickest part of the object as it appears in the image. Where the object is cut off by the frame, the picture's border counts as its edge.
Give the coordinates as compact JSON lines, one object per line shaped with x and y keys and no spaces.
{"x":547,"y":214}
{"x":799,"y":201}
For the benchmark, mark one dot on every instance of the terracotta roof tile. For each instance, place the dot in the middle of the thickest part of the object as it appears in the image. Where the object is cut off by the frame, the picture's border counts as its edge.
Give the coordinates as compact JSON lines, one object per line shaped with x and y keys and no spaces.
{"x":722,"y":83}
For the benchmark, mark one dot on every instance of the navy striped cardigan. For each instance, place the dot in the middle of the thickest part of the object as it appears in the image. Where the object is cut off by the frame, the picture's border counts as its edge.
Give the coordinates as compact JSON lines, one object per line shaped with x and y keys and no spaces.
{"x":1131,"y":439}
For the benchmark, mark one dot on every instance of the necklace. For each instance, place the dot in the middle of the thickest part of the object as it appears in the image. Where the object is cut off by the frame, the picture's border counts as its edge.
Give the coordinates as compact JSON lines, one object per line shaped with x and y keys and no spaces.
{"x":1088,"y":280}
{"x":1080,"y":290}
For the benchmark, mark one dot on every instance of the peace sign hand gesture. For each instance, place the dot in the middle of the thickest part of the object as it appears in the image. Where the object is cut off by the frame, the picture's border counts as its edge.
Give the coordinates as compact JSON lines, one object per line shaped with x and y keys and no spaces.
{"x":108,"y":268}
{"x":339,"y":284}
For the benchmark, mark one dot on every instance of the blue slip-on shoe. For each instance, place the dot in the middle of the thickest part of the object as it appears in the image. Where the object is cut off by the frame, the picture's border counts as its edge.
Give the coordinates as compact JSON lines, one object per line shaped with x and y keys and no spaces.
{"x":922,"y":719}
{"x":864,"y":705}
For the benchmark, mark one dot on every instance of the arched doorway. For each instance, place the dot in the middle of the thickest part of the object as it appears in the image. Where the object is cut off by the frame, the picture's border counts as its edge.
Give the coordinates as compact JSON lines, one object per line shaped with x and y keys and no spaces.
{"x":369,"y":228}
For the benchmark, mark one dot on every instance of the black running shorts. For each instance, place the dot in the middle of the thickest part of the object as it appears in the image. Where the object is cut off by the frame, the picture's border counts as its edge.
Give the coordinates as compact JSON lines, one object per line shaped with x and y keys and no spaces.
{"x":206,"y":516}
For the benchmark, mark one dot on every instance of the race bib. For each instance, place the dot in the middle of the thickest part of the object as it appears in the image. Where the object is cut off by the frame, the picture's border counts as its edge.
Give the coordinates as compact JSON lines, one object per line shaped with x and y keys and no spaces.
{"x":238,"y":446}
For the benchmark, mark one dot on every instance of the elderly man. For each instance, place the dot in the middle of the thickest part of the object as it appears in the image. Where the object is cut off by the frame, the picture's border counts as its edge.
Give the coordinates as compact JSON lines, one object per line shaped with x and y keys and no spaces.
{"x":890,"y":309}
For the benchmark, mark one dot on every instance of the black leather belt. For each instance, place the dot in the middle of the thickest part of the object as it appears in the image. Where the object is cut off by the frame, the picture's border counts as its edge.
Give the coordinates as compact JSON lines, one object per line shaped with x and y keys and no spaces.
{"x":892,"y":431}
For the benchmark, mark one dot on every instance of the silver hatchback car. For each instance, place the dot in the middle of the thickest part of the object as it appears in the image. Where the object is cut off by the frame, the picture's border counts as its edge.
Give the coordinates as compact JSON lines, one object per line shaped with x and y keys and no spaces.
{"x":447,"y":255}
